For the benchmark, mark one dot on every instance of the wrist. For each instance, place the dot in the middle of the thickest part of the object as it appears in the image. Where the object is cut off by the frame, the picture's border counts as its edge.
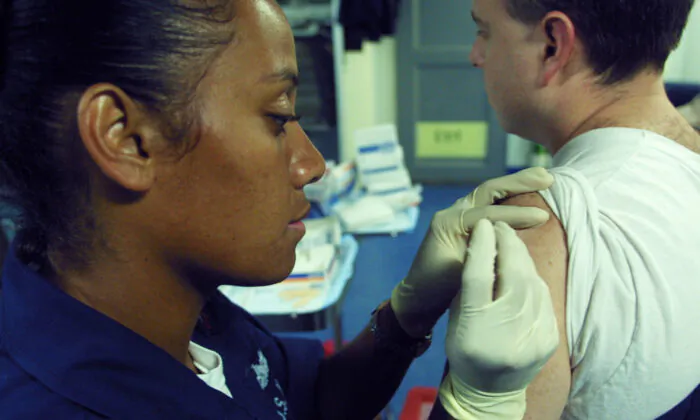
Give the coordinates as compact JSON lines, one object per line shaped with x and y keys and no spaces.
{"x":462,"y":401}
{"x":391,"y":336}
{"x":414,"y":323}
{"x":401,"y":333}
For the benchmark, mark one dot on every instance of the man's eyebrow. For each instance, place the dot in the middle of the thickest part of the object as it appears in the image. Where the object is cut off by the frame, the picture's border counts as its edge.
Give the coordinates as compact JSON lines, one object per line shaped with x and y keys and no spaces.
{"x":285,"y":75}
{"x":477,"y":19}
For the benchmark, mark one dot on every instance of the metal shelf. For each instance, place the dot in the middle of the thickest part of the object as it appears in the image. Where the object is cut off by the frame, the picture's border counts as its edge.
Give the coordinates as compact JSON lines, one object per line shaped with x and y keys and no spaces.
{"x":308,"y":18}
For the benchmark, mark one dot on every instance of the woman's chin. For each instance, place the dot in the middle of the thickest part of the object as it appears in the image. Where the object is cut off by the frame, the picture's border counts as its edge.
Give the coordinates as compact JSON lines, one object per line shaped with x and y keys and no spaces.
{"x":263,"y":279}
{"x":272,"y":280}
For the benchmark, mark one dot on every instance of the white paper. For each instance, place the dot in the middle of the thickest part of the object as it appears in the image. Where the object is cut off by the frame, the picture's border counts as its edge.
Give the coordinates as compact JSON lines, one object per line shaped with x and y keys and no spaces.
{"x":366,"y":211}
{"x":321,"y":232}
{"x":399,"y":200}
{"x":384,"y":158}
{"x":391,"y":180}
{"x":404,"y":221}
{"x":337,"y":182}
{"x":314,"y":261}
{"x":377,"y":135}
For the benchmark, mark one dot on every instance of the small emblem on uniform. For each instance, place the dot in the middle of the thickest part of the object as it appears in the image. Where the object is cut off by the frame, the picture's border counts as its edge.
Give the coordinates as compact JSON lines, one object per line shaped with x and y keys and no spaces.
{"x":262,"y":370}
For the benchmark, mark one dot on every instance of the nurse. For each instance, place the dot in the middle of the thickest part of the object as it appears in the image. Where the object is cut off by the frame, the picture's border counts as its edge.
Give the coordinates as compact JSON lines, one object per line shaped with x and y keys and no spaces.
{"x":155,"y":152}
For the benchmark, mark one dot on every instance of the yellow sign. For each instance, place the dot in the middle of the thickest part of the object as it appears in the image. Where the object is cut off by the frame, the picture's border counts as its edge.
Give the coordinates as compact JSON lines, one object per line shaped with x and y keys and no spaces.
{"x":452,"y":140}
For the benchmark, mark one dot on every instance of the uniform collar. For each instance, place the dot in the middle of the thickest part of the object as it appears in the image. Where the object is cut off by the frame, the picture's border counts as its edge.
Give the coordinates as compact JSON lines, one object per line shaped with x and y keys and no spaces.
{"x":94,"y":361}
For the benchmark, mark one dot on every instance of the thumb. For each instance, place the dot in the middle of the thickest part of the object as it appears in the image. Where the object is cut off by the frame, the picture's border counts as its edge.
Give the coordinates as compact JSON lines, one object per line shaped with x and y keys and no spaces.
{"x":516,"y":267}
{"x":478,"y":275}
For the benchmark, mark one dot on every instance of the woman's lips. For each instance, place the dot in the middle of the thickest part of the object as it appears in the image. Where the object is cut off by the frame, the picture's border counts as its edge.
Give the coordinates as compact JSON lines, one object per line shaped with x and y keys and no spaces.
{"x":298,"y":226}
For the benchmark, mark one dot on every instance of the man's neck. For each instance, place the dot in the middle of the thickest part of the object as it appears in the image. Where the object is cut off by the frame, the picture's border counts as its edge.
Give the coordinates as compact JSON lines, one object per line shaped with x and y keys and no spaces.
{"x":641,"y":103}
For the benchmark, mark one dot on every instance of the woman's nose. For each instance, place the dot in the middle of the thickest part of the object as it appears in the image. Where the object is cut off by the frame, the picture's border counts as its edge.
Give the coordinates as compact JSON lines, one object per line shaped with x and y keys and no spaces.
{"x":307,"y":165}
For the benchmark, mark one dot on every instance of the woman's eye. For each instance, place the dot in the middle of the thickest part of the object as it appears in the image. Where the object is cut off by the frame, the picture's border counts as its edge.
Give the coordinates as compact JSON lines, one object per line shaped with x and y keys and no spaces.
{"x":282,"y":120}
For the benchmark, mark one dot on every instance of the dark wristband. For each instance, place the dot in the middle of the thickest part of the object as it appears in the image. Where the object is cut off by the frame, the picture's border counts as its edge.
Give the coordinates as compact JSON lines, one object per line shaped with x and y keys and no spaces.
{"x":391,"y":337}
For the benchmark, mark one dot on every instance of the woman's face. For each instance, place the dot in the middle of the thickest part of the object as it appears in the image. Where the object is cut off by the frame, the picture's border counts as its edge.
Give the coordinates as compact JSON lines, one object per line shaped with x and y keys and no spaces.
{"x":231,"y":202}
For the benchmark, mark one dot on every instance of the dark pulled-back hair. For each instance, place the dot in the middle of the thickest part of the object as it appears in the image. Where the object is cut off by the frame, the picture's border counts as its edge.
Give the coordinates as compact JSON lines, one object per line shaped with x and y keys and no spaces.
{"x":51,"y":51}
{"x":622,"y":37}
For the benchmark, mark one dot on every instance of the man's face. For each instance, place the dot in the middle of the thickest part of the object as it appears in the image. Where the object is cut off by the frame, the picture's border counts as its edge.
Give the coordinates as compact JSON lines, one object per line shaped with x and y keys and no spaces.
{"x":507,"y":53}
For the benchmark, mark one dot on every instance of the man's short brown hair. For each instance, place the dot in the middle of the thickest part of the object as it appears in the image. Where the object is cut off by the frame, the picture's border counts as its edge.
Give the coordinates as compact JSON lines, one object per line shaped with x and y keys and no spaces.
{"x":622,"y":37}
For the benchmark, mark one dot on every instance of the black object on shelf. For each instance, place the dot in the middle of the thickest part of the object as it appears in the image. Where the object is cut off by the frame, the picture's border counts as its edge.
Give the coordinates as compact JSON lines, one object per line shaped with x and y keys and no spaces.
{"x":682,"y":93}
{"x":367,"y":20}
{"x":316,"y":98}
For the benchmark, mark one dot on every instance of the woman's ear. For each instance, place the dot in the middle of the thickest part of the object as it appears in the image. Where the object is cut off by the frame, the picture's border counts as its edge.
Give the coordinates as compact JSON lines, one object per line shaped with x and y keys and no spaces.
{"x":560,"y":38}
{"x":117,"y":135}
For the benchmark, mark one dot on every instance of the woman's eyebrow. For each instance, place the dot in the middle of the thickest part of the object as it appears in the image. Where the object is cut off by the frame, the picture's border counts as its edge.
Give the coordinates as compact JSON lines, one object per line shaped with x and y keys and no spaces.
{"x":285,"y":75}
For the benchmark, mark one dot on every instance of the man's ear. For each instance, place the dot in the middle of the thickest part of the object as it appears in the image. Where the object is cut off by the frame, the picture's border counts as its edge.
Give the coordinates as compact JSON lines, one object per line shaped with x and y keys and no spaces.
{"x":560,"y":38}
{"x":117,"y":135}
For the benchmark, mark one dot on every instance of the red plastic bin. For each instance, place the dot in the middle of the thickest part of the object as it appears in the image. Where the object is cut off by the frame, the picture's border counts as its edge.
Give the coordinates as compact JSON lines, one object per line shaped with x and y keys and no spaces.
{"x":419,"y":403}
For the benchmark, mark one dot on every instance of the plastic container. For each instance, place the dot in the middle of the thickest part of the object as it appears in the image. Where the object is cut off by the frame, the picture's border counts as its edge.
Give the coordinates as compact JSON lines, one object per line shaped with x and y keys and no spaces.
{"x":419,"y":403}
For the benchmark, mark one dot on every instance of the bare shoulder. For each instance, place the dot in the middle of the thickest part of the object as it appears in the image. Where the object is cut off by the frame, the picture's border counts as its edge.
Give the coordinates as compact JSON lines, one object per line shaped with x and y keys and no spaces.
{"x":547,"y":246}
{"x":551,"y":235}
{"x":548,"y":394}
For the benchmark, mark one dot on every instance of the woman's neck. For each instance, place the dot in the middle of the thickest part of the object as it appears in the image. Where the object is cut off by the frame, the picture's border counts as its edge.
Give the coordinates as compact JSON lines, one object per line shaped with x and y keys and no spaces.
{"x":144,"y":296}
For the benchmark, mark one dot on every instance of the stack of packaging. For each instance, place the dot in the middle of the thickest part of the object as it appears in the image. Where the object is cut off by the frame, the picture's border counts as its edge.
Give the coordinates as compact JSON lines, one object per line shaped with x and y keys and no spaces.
{"x":387,"y":201}
{"x":338,"y":183}
{"x":317,"y":253}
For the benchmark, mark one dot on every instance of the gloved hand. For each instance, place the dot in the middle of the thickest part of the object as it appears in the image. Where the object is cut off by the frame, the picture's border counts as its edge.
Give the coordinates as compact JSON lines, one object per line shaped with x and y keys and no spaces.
{"x":501,"y":331}
{"x":435,"y":276}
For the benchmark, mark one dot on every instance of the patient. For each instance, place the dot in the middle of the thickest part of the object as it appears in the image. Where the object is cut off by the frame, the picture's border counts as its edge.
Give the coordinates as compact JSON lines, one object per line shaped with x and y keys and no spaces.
{"x":584,"y":79}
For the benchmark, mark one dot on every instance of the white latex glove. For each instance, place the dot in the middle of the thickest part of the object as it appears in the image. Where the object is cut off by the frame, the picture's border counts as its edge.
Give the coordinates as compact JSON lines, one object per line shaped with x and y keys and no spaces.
{"x":501,"y":331}
{"x":435,"y":276}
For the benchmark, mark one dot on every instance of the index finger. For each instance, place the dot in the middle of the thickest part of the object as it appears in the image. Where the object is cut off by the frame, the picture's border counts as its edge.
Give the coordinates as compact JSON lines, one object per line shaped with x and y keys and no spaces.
{"x":525,"y":181}
{"x":479,"y":272}
{"x":515,"y":265}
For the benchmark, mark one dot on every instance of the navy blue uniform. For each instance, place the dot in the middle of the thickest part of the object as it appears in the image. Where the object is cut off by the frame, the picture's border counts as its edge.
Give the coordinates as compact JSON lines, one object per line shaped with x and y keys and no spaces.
{"x":61,"y":359}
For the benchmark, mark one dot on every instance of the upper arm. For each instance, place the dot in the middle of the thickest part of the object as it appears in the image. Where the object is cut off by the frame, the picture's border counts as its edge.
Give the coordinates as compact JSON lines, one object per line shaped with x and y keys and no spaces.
{"x":547,"y":395}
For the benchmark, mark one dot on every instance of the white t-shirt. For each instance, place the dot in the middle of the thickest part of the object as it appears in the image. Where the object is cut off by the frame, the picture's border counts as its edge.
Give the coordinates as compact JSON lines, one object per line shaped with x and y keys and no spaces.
{"x":629,"y":201}
{"x":211,"y":367}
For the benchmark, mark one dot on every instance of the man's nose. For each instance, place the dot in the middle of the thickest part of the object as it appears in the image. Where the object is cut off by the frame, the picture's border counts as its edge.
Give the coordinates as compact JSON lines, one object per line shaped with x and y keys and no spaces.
{"x":475,"y":56}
